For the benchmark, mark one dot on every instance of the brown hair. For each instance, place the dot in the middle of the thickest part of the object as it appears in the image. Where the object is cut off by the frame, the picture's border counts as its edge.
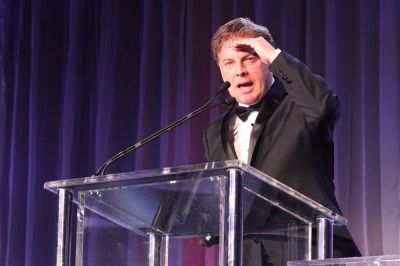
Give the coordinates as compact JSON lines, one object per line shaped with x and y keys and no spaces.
{"x":239,"y":27}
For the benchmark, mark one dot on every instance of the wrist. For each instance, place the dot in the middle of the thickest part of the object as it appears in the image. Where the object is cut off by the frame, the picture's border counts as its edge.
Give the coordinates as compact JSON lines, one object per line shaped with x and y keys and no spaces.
{"x":275,"y":53}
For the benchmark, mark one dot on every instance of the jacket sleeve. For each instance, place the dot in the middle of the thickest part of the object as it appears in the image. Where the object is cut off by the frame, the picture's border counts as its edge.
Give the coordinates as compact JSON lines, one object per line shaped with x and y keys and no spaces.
{"x":310,"y":92}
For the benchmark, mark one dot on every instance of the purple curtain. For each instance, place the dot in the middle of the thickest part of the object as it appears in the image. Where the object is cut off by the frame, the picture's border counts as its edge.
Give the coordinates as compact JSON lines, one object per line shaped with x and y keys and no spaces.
{"x":81,"y":80}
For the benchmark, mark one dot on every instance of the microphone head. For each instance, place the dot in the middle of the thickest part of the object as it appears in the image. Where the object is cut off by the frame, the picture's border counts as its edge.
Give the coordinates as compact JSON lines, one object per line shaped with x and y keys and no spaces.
{"x":230,"y":100}
{"x":224,"y":86}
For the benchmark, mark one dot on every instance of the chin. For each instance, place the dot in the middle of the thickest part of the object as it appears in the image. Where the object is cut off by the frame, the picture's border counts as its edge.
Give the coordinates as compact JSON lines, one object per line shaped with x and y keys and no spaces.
{"x":247,"y":101}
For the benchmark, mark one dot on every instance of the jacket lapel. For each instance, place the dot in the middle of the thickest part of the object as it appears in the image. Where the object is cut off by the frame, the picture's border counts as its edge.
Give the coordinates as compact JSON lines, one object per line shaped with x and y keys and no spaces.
{"x":272,"y":100}
{"x":227,"y":136}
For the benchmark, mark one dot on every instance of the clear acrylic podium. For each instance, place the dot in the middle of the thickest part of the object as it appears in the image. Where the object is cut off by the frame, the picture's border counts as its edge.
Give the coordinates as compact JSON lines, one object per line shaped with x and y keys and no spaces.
{"x":219,"y":203}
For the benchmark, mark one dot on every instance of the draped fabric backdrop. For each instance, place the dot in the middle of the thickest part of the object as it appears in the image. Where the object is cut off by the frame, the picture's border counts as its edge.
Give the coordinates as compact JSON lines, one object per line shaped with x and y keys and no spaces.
{"x":81,"y":80}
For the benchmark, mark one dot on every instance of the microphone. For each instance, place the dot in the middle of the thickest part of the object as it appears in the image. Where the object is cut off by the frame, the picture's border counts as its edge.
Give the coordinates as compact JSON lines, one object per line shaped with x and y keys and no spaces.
{"x":230,"y":100}
{"x":224,"y":87}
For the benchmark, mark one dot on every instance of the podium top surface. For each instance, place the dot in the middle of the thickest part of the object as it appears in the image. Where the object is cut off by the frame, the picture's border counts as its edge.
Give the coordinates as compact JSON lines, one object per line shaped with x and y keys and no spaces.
{"x":193,"y":194}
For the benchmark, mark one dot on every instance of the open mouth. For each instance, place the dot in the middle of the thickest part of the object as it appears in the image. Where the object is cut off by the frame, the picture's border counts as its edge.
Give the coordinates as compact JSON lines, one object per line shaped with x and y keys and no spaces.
{"x":245,"y":85}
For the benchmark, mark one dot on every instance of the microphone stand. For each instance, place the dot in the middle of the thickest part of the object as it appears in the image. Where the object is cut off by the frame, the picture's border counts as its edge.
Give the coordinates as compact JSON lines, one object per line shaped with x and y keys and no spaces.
{"x":162,"y":131}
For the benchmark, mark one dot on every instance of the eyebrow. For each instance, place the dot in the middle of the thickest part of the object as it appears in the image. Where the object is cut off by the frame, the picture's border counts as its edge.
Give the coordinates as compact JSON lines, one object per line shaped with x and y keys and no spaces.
{"x":246,"y":48}
{"x":251,"y":55}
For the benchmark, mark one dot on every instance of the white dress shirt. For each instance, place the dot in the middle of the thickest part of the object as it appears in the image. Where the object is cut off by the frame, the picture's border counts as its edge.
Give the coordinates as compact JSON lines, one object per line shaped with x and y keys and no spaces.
{"x":242,"y":133}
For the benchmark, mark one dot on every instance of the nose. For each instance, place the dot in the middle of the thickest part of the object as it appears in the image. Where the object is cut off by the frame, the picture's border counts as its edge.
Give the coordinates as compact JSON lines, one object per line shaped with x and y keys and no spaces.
{"x":240,"y":70}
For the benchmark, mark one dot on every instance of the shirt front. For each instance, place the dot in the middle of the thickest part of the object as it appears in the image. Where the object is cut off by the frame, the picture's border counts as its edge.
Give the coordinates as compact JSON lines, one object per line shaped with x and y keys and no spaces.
{"x":242,"y":132}
{"x":241,"y":135}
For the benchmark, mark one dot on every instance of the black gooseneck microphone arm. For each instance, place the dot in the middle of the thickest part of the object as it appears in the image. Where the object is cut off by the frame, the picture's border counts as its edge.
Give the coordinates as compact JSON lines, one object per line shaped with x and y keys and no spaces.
{"x":224,"y":86}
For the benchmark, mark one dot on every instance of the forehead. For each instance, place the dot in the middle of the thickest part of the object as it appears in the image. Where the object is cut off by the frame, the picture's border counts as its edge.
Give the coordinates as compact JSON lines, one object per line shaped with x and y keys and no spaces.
{"x":230,"y":48}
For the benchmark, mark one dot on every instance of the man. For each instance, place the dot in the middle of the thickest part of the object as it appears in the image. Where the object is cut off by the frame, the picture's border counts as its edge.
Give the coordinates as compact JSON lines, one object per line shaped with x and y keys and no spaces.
{"x":288,"y":131}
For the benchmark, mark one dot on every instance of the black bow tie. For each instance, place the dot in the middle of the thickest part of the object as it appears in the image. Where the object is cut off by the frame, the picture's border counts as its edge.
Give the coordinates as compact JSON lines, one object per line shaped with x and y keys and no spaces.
{"x":244,"y":112}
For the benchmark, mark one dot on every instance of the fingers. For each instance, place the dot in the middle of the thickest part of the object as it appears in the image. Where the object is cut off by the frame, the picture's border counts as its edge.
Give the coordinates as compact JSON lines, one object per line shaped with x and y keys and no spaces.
{"x":259,"y":45}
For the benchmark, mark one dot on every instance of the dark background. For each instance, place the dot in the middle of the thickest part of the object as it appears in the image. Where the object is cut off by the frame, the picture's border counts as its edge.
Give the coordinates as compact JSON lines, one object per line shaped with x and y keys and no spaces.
{"x":82,"y":79}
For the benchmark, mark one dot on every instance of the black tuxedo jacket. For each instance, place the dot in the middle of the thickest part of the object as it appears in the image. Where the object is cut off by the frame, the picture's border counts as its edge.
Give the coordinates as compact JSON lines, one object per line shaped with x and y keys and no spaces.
{"x":292,"y":139}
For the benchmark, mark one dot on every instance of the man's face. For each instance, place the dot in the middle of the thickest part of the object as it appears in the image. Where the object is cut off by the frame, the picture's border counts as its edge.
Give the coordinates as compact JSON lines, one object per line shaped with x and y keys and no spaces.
{"x":248,"y":75}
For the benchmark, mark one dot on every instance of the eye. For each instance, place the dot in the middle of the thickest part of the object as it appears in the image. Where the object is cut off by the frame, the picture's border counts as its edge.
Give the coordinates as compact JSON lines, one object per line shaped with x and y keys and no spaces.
{"x":228,"y":63}
{"x":251,"y":59}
